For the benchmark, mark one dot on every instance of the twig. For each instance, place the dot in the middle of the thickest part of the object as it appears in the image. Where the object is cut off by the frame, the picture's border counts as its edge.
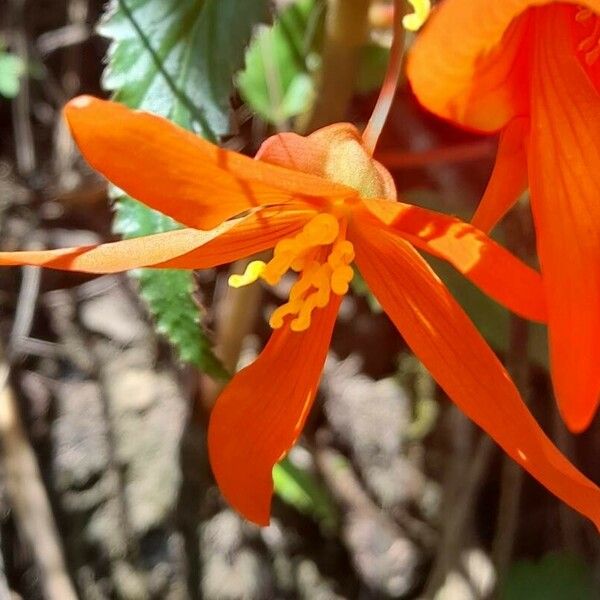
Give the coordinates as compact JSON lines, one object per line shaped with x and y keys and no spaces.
{"x":69,"y":35}
{"x":570,"y":523}
{"x":24,"y":146}
{"x":236,"y":315}
{"x":456,"y":518}
{"x":28,"y":294}
{"x":28,"y":498}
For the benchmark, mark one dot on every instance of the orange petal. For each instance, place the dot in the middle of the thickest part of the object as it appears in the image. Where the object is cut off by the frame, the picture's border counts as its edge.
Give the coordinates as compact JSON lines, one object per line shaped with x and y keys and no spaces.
{"x":445,"y":340}
{"x":177,"y":172}
{"x":480,"y":259}
{"x":260,"y":414}
{"x":181,"y":249}
{"x":509,"y":177}
{"x":469,"y":64}
{"x":564,"y":174}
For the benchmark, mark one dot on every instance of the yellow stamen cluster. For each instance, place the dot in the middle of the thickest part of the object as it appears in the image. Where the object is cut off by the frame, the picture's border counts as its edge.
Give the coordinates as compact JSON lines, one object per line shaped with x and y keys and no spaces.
{"x":320,"y":255}
{"x":590,"y":46}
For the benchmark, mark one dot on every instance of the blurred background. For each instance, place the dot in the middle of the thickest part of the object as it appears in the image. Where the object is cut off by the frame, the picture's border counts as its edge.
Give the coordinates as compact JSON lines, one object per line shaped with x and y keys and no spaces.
{"x":105,"y":489}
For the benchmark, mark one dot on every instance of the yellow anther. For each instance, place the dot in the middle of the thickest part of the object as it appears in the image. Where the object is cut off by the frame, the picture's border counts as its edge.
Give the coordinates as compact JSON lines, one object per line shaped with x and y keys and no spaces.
{"x":340,"y":279}
{"x":299,"y":263}
{"x":342,"y":254}
{"x":322,"y":282}
{"x":416,"y":20}
{"x":289,"y":308}
{"x":302,"y":321}
{"x":253,"y":271}
{"x":320,"y":231}
{"x":305,"y":281}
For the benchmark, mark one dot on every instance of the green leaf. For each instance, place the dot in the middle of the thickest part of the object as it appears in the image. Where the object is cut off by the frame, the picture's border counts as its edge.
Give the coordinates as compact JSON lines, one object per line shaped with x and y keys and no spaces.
{"x":198,"y":44}
{"x":277,"y":82}
{"x":176,"y":58}
{"x":555,"y":577}
{"x":303,"y":491}
{"x":11,"y":69}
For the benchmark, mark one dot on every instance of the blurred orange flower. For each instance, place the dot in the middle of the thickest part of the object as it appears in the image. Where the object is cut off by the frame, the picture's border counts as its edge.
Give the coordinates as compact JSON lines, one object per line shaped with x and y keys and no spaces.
{"x":322,"y":203}
{"x":530,"y":69}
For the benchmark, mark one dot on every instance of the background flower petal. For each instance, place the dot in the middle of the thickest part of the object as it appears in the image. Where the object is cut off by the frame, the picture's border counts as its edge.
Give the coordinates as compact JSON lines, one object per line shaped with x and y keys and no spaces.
{"x":564,"y":174}
{"x":509,"y":177}
{"x":469,"y":64}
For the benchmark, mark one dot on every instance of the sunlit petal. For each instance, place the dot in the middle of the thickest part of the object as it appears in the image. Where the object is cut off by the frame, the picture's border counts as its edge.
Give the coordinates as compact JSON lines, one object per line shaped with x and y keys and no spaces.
{"x":441,"y":335}
{"x":260,"y":414}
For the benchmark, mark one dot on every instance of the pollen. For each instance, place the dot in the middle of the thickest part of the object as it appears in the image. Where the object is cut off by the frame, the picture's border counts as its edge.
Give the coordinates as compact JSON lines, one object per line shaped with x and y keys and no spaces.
{"x":320,"y":255}
{"x":590,"y":44}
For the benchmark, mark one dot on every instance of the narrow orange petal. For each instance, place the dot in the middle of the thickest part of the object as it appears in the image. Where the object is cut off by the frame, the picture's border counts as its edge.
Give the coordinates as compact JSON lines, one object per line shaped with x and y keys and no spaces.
{"x":479,"y":258}
{"x":509,"y":177}
{"x":445,"y":340}
{"x":260,"y":414}
{"x":181,"y":249}
{"x":564,"y":174}
{"x":177,"y":172}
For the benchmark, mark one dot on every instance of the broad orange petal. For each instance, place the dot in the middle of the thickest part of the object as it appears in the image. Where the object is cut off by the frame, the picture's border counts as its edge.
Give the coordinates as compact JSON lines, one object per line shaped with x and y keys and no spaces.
{"x":564,"y":174}
{"x":509,"y":177}
{"x":260,"y":414}
{"x":181,"y":249}
{"x":479,"y":258}
{"x":445,"y":340}
{"x":469,"y":64}
{"x":179,"y":173}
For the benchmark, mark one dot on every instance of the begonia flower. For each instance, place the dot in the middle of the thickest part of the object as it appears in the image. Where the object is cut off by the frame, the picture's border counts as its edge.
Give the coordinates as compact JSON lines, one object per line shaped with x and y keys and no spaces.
{"x":529,"y":69}
{"x":322,"y":203}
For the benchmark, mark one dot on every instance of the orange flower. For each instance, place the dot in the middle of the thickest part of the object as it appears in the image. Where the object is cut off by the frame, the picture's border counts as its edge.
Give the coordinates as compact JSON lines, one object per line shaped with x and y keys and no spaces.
{"x":530,"y":69}
{"x":322,"y":203}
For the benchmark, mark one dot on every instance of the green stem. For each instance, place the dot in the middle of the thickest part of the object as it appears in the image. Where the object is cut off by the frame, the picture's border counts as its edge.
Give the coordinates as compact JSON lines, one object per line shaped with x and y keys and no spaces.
{"x":346,"y":27}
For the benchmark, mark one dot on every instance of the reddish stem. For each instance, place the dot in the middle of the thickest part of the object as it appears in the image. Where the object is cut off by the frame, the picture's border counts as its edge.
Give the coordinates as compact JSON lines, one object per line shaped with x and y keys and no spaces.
{"x":390,"y":83}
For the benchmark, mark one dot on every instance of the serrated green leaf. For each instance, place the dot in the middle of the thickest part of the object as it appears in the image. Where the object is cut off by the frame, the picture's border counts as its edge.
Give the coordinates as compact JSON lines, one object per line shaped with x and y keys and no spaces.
{"x":183,"y":66}
{"x":176,"y":58}
{"x":277,"y":82}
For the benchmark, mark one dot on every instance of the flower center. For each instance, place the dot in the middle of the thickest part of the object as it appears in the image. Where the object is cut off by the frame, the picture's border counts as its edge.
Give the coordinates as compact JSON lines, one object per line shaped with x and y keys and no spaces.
{"x":321,"y":255}
{"x":589,"y":45}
